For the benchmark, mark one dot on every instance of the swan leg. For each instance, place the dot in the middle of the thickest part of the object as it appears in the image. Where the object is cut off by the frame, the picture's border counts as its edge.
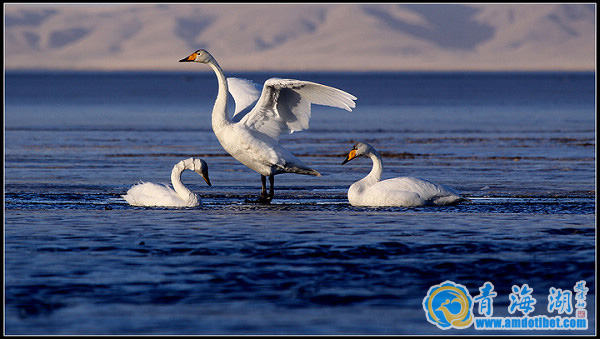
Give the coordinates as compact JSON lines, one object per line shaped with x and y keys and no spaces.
{"x":264,"y":197}
{"x":271,"y":186}
{"x":263,"y":193}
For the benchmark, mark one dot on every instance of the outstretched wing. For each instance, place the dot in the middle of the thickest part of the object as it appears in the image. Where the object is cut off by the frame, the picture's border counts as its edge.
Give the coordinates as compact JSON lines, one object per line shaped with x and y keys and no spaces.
{"x":244,"y":93}
{"x":284,"y":105}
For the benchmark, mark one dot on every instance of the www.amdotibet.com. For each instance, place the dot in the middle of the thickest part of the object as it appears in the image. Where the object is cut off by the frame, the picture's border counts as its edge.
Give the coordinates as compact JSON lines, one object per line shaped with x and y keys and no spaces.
{"x":540,"y":322}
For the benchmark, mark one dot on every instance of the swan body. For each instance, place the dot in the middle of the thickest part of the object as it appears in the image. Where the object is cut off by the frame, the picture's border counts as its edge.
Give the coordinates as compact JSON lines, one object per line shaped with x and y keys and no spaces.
{"x":252,"y":135}
{"x":151,"y":194}
{"x":401,"y":191}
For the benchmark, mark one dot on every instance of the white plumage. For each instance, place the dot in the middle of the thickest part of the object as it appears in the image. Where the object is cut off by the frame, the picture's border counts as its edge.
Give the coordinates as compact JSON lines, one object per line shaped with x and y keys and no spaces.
{"x":151,"y":194}
{"x":252,"y":135}
{"x":401,"y":191}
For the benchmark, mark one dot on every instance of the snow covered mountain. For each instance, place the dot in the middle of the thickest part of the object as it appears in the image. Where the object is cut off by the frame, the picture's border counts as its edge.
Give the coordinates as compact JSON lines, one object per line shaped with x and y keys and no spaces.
{"x":343,"y":37}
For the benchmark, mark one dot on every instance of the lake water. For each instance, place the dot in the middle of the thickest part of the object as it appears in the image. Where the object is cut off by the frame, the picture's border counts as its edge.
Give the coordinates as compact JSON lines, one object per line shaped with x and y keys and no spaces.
{"x":80,"y":260}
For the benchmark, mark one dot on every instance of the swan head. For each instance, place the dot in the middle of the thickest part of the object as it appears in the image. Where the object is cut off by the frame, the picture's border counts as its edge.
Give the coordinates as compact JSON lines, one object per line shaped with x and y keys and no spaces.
{"x":197,"y":165}
{"x":201,"y":56}
{"x":359,"y":149}
{"x":201,"y":167}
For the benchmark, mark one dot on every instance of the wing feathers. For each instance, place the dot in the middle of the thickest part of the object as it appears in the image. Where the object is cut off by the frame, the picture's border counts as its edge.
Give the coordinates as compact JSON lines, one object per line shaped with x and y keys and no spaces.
{"x":285,"y":105}
{"x":244,"y":93}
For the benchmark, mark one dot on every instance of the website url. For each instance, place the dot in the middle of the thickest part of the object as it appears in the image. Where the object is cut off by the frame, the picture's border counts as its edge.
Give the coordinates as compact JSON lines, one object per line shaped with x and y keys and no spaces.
{"x":540,"y":322}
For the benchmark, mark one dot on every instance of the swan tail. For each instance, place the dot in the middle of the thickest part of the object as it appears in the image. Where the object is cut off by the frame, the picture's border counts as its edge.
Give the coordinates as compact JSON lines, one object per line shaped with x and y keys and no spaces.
{"x":450,"y":200}
{"x":308,"y":172}
{"x":298,"y":170}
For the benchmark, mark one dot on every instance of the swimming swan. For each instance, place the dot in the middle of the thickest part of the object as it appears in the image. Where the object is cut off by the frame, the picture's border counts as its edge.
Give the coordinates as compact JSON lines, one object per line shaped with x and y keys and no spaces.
{"x":252,"y":135}
{"x":401,"y":191}
{"x":150,"y":194}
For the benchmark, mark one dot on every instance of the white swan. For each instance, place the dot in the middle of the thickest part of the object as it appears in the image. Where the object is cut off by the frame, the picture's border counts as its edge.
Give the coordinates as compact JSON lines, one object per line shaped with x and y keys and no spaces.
{"x":252,"y":136}
{"x":401,"y":191}
{"x":150,"y":194}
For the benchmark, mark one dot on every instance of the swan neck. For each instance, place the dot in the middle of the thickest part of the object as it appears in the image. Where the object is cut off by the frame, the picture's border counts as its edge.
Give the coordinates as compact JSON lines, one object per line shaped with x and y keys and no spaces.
{"x":183,"y":192}
{"x":375,"y":174}
{"x":219,"y":114}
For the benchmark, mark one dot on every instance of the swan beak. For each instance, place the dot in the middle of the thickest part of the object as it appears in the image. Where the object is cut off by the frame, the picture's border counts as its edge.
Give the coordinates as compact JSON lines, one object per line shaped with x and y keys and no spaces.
{"x":204,"y":174}
{"x":192,"y":57}
{"x":350,"y":156}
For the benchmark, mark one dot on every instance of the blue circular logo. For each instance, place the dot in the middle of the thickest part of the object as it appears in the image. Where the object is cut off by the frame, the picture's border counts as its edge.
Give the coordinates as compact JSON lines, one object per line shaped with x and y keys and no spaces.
{"x":449,"y":305}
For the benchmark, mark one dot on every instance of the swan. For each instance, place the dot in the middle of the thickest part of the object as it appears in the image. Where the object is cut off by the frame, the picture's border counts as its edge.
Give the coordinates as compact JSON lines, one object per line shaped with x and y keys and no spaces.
{"x":150,"y":194}
{"x":401,"y":191}
{"x":251,"y":136}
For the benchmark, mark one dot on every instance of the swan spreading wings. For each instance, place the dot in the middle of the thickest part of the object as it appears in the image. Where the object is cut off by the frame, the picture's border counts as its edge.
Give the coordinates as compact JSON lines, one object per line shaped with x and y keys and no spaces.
{"x":252,"y":135}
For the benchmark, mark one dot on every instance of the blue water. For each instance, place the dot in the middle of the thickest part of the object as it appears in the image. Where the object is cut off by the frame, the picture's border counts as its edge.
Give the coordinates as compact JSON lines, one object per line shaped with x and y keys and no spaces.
{"x":80,"y":260}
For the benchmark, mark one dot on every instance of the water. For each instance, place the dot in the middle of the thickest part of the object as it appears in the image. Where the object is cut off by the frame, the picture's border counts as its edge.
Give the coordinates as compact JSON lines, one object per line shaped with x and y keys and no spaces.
{"x":79,"y":260}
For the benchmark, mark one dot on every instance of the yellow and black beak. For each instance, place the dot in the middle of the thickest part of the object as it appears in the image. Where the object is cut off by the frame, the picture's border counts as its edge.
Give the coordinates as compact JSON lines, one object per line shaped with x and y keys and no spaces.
{"x":350,"y":156}
{"x":204,"y":175}
{"x":192,"y":57}
{"x":207,"y":179}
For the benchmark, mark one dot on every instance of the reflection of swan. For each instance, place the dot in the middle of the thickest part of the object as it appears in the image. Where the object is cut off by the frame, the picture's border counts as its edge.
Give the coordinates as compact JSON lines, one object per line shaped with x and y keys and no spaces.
{"x":150,"y":194}
{"x":402,"y":191}
{"x":252,"y":136}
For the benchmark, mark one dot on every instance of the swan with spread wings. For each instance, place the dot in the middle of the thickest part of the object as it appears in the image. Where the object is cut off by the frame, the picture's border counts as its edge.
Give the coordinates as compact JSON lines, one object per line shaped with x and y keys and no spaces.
{"x":252,"y":135}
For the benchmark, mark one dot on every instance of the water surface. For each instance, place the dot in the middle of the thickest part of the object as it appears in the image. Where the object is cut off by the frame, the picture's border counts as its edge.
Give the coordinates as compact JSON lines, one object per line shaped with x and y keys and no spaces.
{"x":79,"y":260}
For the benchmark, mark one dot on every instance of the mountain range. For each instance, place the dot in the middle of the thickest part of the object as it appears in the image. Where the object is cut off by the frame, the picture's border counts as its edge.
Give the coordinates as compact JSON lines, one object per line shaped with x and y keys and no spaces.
{"x":302,"y":37}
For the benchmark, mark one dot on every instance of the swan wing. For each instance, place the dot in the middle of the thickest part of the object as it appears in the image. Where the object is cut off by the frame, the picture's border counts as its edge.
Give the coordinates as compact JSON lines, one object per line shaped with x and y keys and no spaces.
{"x":382,"y":195}
{"x":151,"y":194}
{"x":284,"y":105}
{"x":423,"y":187}
{"x":244,"y":93}
{"x":427,"y":190}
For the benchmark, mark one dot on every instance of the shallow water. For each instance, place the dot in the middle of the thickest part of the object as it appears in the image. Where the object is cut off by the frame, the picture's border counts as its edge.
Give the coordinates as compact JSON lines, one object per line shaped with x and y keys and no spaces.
{"x":79,"y":260}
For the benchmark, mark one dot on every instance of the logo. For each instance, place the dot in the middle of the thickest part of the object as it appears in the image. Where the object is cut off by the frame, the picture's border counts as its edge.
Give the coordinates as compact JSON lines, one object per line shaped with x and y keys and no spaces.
{"x":449,"y":305}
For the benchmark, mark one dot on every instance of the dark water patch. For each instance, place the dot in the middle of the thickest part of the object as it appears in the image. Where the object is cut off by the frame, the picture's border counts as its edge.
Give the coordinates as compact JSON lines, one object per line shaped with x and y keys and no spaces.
{"x":34,"y":307}
{"x":571,"y":231}
{"x":77,"y":249}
